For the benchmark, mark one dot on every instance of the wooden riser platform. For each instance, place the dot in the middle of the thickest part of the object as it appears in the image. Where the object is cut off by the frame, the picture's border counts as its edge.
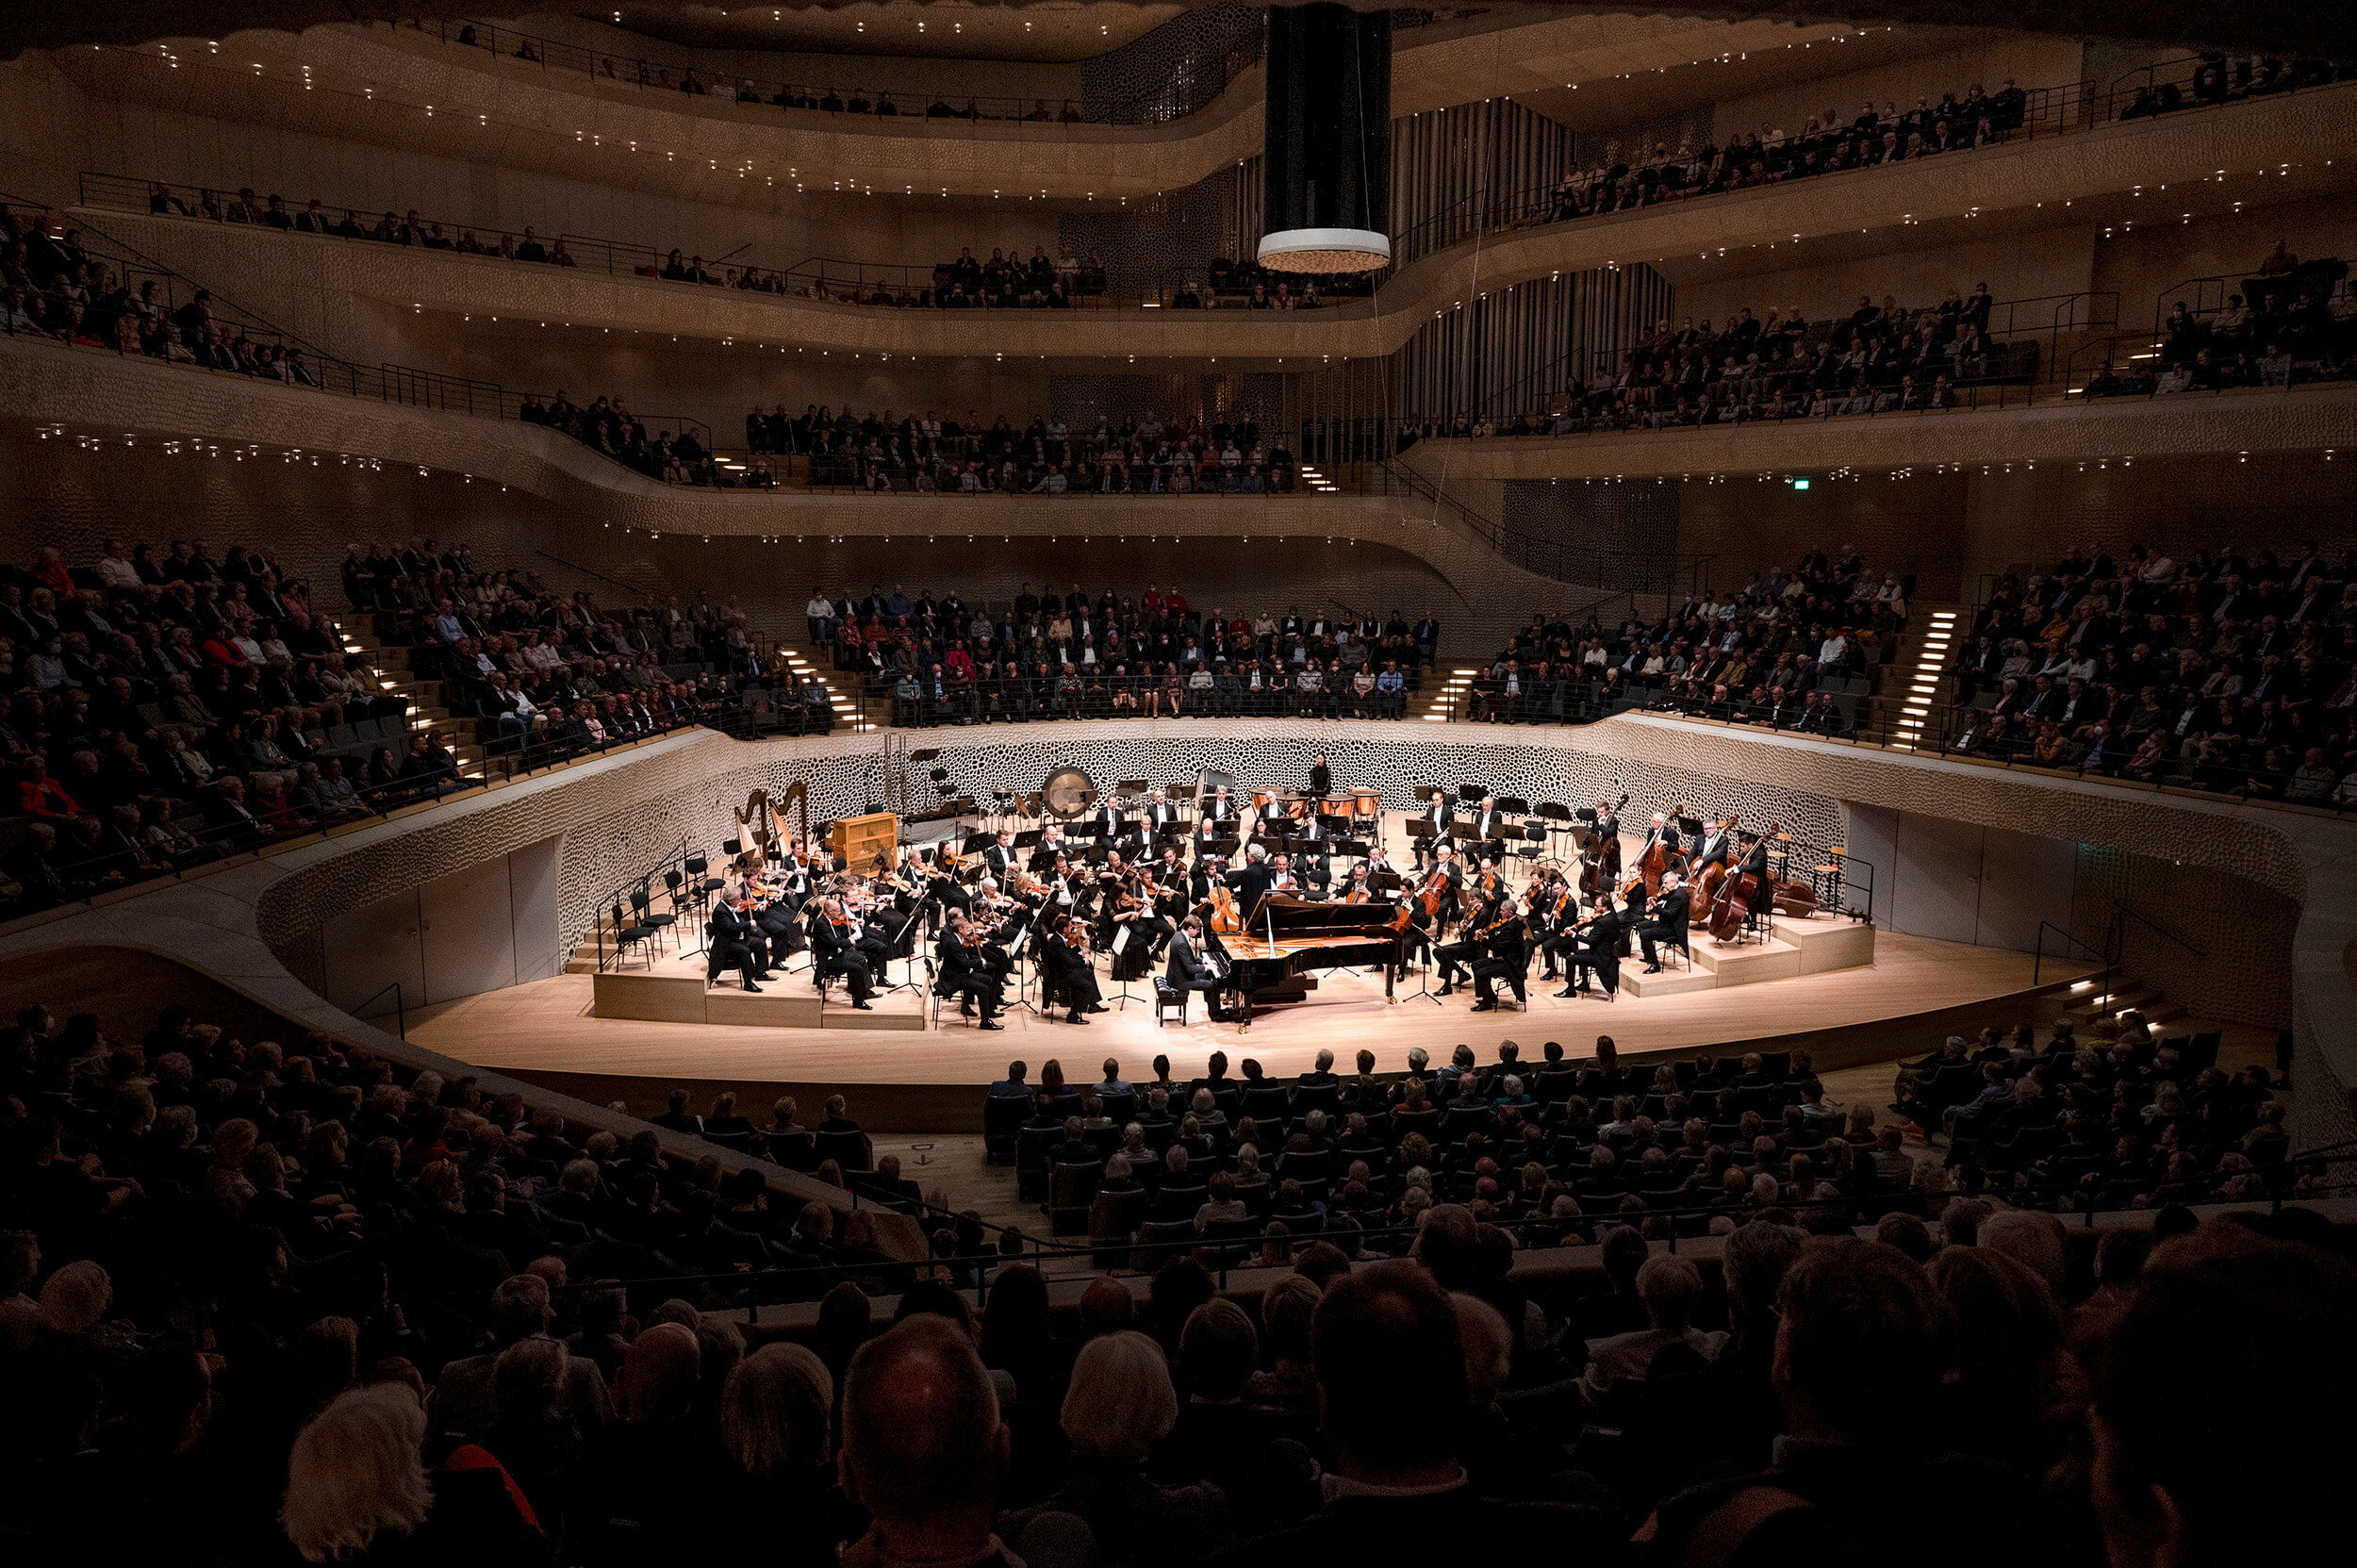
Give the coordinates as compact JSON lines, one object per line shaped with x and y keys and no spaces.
{"x":1794,"y":948}
{"x":670,"y":989}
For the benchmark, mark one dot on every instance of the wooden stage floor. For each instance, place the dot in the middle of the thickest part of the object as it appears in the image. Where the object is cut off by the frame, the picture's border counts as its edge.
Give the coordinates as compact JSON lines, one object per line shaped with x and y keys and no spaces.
{"x":1916,"y":991}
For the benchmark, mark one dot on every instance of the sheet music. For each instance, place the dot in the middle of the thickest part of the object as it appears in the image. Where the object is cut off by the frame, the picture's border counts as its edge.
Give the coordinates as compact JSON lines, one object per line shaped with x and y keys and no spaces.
{"x":1121,"y":940}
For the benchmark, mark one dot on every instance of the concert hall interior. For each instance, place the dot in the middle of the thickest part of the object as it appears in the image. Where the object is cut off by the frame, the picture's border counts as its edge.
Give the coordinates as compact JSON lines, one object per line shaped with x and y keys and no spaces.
{"x":1639,"y":721}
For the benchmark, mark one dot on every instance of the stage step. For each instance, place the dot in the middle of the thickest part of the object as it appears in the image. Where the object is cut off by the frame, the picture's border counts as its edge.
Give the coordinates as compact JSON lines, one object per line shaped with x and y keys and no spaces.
{"x":1671,"y":982}
{"x":1748,"y":963}
{"x":891,"y":1010}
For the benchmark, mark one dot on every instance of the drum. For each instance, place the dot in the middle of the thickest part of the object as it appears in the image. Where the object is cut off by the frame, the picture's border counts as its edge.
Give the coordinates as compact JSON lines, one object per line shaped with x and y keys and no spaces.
{"x":1263,"y":797}
{"x":1367,"y":802}
{"x":1337,"y":805}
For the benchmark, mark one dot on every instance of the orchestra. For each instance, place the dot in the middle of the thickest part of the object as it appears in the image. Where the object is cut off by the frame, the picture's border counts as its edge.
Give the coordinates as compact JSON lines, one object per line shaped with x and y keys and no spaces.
{"x":1240,"y":894}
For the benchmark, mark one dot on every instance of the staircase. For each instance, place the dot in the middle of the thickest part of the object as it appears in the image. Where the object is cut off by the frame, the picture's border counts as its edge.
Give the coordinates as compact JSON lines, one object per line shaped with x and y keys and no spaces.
{"x":583,"y":960}
{"x":847,"y":714}
{"x":389,"y":664}
{"x":1916,"y":679}
{"x":2087,"y":1001}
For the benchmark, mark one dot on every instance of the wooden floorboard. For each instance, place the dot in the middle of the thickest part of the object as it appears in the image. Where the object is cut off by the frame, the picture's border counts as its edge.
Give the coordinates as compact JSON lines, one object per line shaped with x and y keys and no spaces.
{"x":544,"y":1028}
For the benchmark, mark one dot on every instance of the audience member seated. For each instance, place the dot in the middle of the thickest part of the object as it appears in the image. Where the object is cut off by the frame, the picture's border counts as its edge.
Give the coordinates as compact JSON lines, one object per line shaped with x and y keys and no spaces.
{"x":2220,"y":670}
{"x":166,"y":706}
{"x":1070,"y":656}
{"x":933,"y":456}
{"x":551,"y":675}
{"x":1762,"y":655}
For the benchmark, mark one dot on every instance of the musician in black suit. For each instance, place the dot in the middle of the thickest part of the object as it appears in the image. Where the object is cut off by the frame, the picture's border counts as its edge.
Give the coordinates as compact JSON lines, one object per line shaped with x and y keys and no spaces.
{"x":1486,"y":828}
{"x":1458,"y":958}
{"x":1506,"y":957}
{"x":1320,"y":778}
{"x":837,"y":945}
{"x":1715,"y":848}
{"x":1190,"y":969}
{"x":729,"y":945}
{"x":1002,"y":858}
{"x":1600,"y":952}
{"x":1109,"y":820}
{"x":1754,"y":865}
{"x":1251,"y":884}
{"x":1221,"y":807}
{"x":1161,"y":818}
{"x":966,"y":972}
{"x":779,"y":929}
{"x":1665,"y":920}
{"x":1442,"y":813}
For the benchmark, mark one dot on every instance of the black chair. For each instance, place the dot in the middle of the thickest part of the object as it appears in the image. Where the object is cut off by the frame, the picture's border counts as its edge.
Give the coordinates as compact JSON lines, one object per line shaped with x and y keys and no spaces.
{"x":1003,"y":1116}
{"x":1113,"y":1218}
{"x":627,"y":936}
{"x":849,"y":1150}
{"x":796,"y":1150}
{"x":1265,"y":1103}
{"x":1071,"y":1191}
{"x":703,"y":884}
{"x":1316,"y":1097}
{"x":1167,"y":997}
{"x":655,"y":925}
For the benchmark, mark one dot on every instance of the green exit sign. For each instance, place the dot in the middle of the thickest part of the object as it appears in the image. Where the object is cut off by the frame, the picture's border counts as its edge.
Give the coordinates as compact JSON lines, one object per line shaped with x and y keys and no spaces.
{"x":1800,"y":484}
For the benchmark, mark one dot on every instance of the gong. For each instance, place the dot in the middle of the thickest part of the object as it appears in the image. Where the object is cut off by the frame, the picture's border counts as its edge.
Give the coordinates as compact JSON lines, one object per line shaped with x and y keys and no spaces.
{"x":1066,"y":793}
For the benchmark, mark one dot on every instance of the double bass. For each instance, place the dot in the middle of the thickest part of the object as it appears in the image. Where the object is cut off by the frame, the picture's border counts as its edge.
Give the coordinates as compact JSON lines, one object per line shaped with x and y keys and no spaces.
{"x":1704,"y":886}
{"x":1600,"y":861}
{"x":1652,"y":863}
{"x":1733,"y":902}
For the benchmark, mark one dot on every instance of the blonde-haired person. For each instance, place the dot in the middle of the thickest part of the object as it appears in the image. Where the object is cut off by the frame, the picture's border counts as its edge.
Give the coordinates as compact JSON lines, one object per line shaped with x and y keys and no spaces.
{"x":1117,"y":1410}
{"x":357,"y":1492}
{"x":776,"y":1491}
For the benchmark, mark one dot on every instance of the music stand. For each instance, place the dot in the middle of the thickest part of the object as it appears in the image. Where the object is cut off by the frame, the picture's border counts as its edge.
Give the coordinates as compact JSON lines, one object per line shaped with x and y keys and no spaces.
{"x":1123,"y":936}
{"x":1024,"y":973}
{"x":1423,"y":961}
{"x":1471,"y":794}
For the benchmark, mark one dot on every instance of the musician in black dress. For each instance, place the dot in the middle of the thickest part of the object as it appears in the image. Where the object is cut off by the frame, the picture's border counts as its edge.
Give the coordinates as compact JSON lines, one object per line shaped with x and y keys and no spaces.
{"x":1665,"y":920}
{"x":728,"y":944}
{"x":1599,"y":952}
{"x":1321,"y":779}
{"x":965,"y":971}
{"x":1063,"y":957}
{"x":1506,"y":957}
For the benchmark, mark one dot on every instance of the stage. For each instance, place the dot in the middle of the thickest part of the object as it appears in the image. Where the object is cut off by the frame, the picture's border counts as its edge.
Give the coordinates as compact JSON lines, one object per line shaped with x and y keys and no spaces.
{"x":902,"y":1074}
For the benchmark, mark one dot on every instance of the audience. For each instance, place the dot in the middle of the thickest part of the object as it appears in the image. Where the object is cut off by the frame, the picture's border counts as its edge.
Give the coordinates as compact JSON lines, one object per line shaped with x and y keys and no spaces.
{"x":397,"y":1360}
{"x":929,"y":456}
{"x":1761,"y":654}
{"x":1073,"y":656}
{"x":545,"y":674}
{"x":167,"y":706}
{"x":2225,"y":669}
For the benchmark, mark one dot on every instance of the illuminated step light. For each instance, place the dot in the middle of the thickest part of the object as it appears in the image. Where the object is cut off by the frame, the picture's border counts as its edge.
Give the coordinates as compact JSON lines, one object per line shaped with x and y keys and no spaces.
{"x":1435,"y":718}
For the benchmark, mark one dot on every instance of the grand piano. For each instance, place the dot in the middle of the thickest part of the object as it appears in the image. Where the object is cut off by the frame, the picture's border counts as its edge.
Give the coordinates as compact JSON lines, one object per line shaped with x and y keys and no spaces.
{"x":1285,"y":939}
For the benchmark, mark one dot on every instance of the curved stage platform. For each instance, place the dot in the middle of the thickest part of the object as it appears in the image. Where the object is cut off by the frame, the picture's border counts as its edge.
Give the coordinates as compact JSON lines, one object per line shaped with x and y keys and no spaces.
{"x":904,"y":1075}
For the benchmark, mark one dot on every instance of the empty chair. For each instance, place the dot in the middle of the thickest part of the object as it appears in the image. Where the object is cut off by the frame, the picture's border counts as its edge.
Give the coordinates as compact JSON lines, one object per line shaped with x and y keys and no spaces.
{"x":627,"y":936}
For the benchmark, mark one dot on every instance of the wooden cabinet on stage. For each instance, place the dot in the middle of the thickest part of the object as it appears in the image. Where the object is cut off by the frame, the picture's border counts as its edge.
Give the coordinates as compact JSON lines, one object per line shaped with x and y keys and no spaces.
{"x":858,"y":840}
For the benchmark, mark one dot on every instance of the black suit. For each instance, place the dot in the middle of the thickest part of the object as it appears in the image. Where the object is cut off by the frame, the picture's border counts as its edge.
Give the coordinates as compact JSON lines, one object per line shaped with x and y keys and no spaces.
{"x":1665,"y":922}
{"x":729,"y":946}
{"x":1321,"y":780}
{"x":1507,"y":959}
{"x":839,"y":955}
{"x":1189,"y":970}
{"x":1602,"y":950}
{"x":966,"y":970}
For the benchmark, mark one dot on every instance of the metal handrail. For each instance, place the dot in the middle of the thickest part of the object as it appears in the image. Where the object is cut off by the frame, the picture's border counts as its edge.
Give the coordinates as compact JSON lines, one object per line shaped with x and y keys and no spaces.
{"x":317,"y":369}
{"x":1207,"y":78}
{"x":2037,"y":959}
{"x":401,"y":1013}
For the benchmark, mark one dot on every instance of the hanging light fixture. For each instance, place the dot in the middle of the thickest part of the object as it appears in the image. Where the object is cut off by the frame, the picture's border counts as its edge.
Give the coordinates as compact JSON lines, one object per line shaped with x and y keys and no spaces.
{"x":1326,"y":159}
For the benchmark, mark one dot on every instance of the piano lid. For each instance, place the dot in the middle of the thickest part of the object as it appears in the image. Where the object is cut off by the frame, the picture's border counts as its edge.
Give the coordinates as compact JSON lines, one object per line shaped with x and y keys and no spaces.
{"x":1296,"y":917}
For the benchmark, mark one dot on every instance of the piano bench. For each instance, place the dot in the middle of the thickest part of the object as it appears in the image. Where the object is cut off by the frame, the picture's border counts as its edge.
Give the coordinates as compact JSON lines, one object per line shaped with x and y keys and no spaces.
{"x":1167,"y":997}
